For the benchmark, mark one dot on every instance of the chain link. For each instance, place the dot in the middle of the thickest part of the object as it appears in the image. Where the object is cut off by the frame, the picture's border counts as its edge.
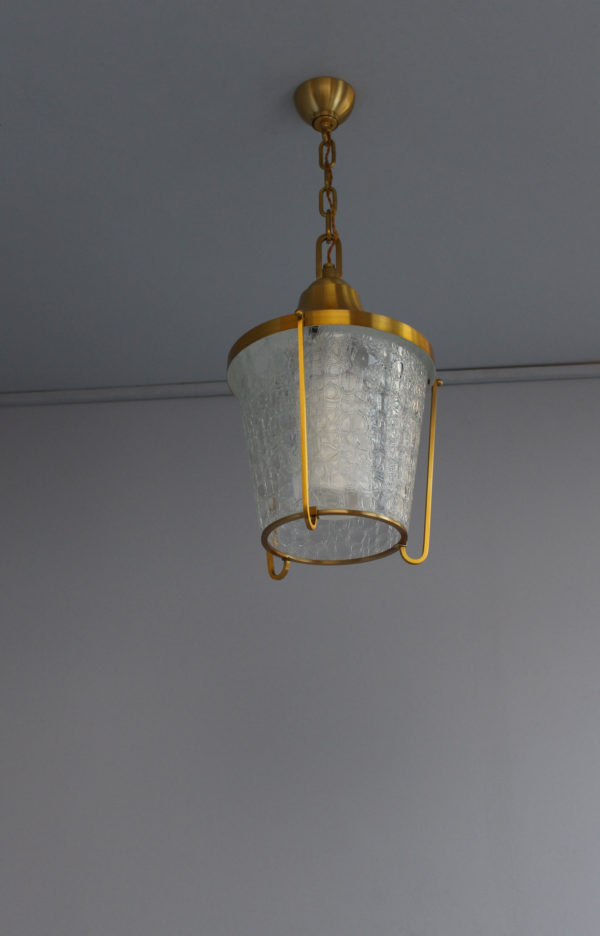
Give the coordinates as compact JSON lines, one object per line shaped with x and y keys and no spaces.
{"x":326,"y":163}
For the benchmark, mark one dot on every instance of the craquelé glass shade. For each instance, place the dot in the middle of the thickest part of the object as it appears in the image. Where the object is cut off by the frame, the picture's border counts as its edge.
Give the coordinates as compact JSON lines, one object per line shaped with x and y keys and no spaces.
{"x":365,"y":397}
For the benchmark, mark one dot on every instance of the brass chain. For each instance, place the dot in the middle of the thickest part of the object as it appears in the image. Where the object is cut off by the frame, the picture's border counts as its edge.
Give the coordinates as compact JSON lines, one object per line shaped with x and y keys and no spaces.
{"x":326,"y":163}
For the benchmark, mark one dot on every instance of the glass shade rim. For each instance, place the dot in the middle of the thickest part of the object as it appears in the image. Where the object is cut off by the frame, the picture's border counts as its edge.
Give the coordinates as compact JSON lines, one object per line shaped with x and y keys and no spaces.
{"x":334,"y":512}
{"x":362,"y":319}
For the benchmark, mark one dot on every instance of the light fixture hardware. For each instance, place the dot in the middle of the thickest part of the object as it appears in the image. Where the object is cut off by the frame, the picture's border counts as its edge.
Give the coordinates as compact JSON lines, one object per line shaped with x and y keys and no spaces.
{"x":361,"y":380}
{"x":429,"y":492}
{"x":310,"y":513}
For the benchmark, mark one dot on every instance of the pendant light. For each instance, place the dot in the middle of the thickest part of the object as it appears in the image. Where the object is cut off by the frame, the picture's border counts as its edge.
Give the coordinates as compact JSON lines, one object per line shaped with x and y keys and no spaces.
{"x":333,"y":400}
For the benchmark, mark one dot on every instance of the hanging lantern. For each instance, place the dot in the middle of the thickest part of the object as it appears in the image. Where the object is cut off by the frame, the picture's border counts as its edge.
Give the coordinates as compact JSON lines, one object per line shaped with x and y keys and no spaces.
{"x":333,"y":401}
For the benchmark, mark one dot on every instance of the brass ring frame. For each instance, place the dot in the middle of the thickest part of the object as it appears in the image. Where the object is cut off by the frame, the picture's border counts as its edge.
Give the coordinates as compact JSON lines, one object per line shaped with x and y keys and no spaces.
{"x":273,"y":551}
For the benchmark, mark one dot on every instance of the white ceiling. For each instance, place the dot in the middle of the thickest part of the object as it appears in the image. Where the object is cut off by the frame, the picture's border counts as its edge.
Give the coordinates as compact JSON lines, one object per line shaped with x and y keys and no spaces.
{"x":161,"y":192}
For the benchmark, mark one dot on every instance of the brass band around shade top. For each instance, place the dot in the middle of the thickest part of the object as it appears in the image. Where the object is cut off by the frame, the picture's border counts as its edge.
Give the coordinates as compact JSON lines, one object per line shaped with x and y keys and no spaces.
{"x":332,"y":317}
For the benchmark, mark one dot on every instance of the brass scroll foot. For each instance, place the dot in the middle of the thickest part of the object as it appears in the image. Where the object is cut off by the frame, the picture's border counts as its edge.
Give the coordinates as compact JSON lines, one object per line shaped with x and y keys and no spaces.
{"x":271,"y":567}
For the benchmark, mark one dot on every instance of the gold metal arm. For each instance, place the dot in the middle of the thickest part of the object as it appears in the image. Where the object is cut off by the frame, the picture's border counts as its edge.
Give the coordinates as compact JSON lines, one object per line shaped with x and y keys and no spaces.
{"x":310,"y":513}
{"x":271,"y":567}
{"x":427,"y":529}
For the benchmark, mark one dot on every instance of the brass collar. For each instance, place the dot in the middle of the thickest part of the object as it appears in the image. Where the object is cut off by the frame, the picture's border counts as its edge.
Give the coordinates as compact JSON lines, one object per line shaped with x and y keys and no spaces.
{"x":332,"y":317}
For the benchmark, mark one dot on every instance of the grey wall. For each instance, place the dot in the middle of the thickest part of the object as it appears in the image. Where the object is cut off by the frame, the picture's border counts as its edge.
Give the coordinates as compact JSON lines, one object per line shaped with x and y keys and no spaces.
{"x":189,"y":748}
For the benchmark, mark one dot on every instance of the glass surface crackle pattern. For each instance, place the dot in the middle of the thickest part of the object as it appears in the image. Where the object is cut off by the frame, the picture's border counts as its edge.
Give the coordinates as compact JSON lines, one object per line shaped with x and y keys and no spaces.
{"x":365,"y":393}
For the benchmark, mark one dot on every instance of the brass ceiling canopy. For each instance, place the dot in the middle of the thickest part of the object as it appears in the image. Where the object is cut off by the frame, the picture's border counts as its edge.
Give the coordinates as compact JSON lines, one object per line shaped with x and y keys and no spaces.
{"x":324,"y":103}
{"x":334,"y":463}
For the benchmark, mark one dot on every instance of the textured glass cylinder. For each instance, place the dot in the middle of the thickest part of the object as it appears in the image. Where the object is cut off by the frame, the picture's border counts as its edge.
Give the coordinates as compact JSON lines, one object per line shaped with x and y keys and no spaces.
{"x":365,"y":397}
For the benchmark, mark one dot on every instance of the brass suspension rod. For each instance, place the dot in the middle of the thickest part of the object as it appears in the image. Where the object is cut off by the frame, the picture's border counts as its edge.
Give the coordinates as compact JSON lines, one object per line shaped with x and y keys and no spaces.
{"x":428,"y":496}
{"x":310,"y":513}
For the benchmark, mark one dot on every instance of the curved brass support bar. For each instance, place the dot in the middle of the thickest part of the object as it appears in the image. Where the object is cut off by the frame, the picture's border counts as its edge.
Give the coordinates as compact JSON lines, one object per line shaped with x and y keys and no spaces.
{"x":310,"y":513}
{"x":271,"y":567}
{"x":427,"y":529}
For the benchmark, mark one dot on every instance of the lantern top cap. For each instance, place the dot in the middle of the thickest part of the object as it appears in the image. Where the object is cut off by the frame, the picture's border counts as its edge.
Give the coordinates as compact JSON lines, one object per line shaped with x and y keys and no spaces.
{"x":324,"y":317}
{"x":330,"y":292}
